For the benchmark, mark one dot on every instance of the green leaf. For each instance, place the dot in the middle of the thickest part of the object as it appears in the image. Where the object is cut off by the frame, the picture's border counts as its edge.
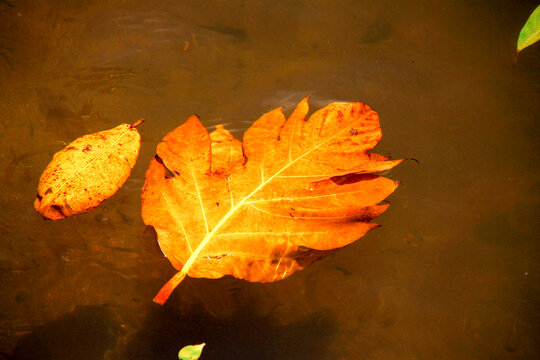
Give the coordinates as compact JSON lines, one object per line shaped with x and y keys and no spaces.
{"x":531,"y":31}
{"x":191,"y":352}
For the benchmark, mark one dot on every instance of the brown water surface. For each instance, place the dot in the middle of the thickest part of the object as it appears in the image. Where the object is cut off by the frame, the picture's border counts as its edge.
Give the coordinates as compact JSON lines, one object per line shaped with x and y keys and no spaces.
{"x":452,"y":274}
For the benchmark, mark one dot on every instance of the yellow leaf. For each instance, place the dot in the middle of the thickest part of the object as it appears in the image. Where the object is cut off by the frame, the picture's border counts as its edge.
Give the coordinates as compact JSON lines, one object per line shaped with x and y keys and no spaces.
{"x":292,"y":192}
{"x":88,"y":171}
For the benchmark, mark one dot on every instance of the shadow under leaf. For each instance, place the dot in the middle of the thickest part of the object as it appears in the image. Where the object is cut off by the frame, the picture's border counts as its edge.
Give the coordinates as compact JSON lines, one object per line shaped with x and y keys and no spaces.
{"x":84,"y":334}
{"x":243,"y":335}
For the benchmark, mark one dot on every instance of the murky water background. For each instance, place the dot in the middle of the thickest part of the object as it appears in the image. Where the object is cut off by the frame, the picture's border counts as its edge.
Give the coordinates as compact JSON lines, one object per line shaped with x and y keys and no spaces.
{"x":452,"y":274}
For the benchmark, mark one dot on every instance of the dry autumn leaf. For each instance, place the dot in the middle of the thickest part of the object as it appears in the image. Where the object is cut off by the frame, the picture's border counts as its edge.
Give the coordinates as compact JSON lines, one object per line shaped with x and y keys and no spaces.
{"x":293,"y":192}
{"x":88,"y":171}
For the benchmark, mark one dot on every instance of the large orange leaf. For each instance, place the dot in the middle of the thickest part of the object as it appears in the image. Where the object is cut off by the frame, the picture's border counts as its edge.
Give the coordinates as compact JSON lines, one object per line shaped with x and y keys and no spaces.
{"x":87,"y":171}
{"x":291,"y":193}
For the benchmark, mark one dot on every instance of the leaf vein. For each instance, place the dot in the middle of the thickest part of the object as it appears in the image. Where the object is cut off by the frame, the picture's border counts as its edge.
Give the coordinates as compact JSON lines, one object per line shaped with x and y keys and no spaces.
{"x":97,"y":156}
{"x":229,"y":214}
{"x":200,"y":200}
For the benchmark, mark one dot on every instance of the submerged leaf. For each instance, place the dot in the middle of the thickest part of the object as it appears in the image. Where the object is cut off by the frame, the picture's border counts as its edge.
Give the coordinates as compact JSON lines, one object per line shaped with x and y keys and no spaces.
{"x":88,"y":171}
{"x":293,"y":192}
{"x":530,"y":33}
{"x":191,"y":352}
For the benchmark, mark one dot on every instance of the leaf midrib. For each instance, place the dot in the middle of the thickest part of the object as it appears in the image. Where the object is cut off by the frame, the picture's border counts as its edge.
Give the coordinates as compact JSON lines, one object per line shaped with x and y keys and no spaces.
{"x":194,"y":255}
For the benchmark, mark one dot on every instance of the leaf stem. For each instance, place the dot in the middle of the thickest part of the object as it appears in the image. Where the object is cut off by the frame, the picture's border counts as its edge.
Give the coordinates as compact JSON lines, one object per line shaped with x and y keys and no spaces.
{"x":168,"y":288}
{"x":137,"y":123}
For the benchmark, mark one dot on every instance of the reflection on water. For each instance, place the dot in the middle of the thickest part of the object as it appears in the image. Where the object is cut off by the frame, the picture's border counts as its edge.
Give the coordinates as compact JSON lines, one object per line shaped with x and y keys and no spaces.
{"x":452,"y":274}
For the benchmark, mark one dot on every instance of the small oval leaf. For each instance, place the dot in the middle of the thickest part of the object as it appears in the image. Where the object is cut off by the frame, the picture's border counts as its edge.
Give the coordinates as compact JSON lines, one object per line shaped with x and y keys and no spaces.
{"x":88,"y":171}
{"x":191,"y":352}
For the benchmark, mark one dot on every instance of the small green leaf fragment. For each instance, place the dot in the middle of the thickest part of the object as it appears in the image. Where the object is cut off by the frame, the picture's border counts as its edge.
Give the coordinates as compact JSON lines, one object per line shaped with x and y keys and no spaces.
{"x":530,"y":33}
{"x":191,"y":352}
